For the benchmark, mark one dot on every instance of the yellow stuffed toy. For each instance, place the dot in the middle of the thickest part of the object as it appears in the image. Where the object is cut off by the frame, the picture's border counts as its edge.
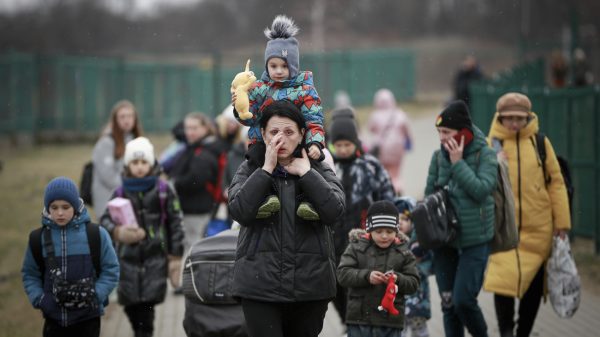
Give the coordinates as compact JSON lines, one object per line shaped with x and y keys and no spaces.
{"x":240,"y":85}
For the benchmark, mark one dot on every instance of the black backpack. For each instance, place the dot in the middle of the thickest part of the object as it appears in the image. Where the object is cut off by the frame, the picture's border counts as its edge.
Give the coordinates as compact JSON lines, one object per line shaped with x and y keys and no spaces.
{"x":93,"y":234}
{"x":85,"y":184}
{"x":564,"y":168}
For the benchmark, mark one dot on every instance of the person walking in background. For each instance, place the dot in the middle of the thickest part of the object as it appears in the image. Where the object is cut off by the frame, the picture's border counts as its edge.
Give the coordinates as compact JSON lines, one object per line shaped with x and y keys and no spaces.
{"x":541,"y":208}
{"x":468,"y":167}
{"x":151,"y":249}
{"x":238,"y":148}
{"x":194,"y":175}
{"x":469,"y":72}
{"x":60,"y":275}
{"x":285,"y":268}
{"x":582,"y":74}
{"x":107,"y":156}
{"x":559,"y":69}
{"x":390,"y":135}
{"x":364,"y":181}
{"x":370,"y":262}
{"x":228,"y":129}
{"x":418,"y":305}
{"x":170,"y":155}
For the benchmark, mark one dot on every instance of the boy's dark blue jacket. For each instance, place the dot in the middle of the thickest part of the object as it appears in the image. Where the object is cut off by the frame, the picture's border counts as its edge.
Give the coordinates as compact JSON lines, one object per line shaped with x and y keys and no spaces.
{"x":73,"y":257}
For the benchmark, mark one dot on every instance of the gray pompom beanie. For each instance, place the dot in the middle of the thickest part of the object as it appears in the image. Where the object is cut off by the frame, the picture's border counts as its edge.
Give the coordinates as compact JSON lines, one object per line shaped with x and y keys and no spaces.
{"x":283,"y":44}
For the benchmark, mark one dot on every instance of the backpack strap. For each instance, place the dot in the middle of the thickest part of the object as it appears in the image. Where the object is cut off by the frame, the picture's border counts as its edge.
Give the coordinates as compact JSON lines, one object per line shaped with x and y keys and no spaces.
{"x":35,"y":244}
{"x":93,"y":236}
{"x":49,"y":247}
{"x":162,"y":196}
{"x":540,"y":142}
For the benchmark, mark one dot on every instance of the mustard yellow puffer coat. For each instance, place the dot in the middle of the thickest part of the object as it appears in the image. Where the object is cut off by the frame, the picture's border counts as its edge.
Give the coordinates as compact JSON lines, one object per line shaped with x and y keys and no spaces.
{"x":539,"y":209}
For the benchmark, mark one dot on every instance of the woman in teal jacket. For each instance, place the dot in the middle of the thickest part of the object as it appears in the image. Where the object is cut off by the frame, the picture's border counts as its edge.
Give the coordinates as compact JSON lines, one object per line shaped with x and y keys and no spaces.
{"x":469,"y":168}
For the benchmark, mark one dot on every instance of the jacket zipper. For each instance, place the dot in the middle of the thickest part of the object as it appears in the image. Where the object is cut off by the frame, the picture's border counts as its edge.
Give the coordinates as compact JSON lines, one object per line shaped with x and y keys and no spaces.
{"x":520,"y":215}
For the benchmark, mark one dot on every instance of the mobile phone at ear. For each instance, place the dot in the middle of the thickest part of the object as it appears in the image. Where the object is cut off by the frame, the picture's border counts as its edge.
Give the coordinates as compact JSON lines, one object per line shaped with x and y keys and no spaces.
{"x":463,"y":132}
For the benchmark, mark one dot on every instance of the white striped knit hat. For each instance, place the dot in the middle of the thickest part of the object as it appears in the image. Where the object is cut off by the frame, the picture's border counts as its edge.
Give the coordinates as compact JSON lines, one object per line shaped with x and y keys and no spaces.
{"x":382,"y":214}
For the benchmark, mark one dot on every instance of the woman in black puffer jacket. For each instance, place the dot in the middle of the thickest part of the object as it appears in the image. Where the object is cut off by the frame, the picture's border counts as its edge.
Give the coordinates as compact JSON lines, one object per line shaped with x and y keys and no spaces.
{"x":285,"y":266}
{"x":151,"y":251}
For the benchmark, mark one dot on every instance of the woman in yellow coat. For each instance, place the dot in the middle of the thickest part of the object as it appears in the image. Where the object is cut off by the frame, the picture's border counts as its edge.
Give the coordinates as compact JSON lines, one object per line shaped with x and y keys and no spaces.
{"x":541,"y":210}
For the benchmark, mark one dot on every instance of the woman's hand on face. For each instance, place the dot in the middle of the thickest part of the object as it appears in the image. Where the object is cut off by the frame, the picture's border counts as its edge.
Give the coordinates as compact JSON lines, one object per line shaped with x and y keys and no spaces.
{"x":271,"y":153}
{"x":299,"y":166}
{"x":454,"y":149}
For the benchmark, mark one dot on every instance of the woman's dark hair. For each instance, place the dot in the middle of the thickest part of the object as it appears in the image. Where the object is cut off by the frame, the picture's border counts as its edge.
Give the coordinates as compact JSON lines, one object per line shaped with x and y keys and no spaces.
{"x":282,"y":108}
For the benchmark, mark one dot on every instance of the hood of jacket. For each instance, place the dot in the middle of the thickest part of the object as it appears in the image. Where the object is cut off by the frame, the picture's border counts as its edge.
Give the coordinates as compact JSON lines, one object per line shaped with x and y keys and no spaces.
{"x":499,"y":131}
{"x":81,"y":217}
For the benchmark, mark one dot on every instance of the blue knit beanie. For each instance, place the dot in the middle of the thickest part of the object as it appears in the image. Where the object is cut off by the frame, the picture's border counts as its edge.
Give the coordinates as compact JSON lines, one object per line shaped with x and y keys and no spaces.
{"x":283,"y":44}
{"x":62,"y":188}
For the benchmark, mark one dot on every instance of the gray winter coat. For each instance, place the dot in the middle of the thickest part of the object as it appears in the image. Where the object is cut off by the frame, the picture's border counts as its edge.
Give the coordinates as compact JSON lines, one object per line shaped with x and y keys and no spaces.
{"x":107,"y":172}
{"x":283,"y":258}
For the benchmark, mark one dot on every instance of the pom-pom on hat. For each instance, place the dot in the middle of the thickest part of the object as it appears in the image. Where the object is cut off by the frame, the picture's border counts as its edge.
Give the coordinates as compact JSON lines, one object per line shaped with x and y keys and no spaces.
{"x":382,"y":214}
{"x":513,"y":104}
{"x":455,"y":116}
{"x":139,"y":148}
{"x":283,"y":44}
{"x":62,"y":188}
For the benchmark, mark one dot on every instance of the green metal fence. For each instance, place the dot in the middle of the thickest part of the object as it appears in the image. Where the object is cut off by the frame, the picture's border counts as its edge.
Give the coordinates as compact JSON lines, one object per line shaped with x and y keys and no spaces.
{"x":75,"y":94}
{"x":571,"y":119}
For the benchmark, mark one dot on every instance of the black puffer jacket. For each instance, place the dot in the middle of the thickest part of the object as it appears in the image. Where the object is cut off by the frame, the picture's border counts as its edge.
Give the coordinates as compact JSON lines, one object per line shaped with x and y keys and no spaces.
{"x":144,"y":265}
{"x":195,"y":173}
{"x":284,"y":258}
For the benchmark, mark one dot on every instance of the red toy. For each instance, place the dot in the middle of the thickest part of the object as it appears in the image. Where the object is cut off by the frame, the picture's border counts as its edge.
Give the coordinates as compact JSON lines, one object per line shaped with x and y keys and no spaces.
{"x":387,"y":302}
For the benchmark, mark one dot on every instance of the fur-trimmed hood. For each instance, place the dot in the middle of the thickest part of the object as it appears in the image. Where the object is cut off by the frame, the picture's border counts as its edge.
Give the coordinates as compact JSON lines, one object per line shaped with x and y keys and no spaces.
{"x":358,"y":233}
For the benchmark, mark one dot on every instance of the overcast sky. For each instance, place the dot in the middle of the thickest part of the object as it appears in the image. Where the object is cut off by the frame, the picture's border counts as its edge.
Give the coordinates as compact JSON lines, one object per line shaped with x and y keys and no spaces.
{"x":140,"y":6}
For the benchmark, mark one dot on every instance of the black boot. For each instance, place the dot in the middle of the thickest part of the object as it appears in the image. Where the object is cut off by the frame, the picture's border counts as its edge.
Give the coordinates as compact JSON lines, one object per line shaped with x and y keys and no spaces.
{"x":143,"y":333}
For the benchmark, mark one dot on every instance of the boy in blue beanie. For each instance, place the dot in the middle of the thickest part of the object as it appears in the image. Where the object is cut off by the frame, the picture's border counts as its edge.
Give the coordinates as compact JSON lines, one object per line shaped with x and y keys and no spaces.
{"x":66,"y":287}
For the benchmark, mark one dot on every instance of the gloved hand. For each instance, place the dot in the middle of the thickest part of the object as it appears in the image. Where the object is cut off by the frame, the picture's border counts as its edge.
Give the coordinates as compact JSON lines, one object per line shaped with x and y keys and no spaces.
{"x":175,"y":270}
{"x":129,"y":235}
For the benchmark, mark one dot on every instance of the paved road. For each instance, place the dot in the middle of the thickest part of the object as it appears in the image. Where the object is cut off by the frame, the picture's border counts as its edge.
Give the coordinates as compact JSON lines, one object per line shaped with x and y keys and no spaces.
{"x":586,"y":322}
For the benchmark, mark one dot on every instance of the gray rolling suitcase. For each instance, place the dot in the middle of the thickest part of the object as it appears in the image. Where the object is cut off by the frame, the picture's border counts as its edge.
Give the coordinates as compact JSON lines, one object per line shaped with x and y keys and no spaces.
{"x":210,"y":309}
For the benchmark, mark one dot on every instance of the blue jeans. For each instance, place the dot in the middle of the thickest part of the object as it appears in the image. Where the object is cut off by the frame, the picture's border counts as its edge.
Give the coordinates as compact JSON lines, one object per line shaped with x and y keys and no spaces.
{"x":459,"y":275}
{"x":359,"y":330}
